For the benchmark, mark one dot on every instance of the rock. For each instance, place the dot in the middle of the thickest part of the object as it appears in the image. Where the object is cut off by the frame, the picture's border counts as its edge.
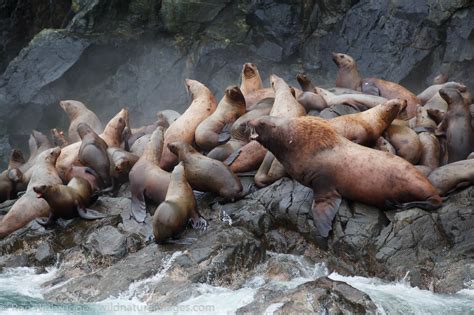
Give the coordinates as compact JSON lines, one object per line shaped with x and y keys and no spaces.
{"x":107,"y":242}
{"x":45,"y":254}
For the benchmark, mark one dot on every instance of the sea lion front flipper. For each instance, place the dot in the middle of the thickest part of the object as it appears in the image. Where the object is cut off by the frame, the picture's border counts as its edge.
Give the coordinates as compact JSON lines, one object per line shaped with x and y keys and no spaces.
{"x":325,"y":206}
{"x":138,"y":207}
{"x":199,"y":223}
{"x":231,"y":158}
{"x":370,"y":88}
{"x":47,"y":222}
{"x":89,"y":214}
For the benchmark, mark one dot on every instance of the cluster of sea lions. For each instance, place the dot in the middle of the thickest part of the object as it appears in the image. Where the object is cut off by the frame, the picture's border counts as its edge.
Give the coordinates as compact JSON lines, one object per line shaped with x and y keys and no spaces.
{"x":365,"y":139}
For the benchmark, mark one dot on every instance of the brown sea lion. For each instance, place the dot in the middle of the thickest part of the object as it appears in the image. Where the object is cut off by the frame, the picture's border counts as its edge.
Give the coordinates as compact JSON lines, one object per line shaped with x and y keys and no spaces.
{"x":430,"y":147}
{"x":121,"y":163}
{"x":215,"y":129}
{"x":206,"y":174}
{"x":184,"y":128}
{"x":68,"y":202}
{"x":239,"y":132}
{"x":334,"y":167}
{"x":251,"y":80}
{"x":16,"y":159}
{"x":170,"y":115}
{"x":405,"y":141}
{"x":146,"y":177}
{"x":28,"y":207}
{"x":93,"y":153}
{"x":456,"y":125}
{"x":255,"y":97}
{"x":179,"y":207}
{"x":453,"y":176}
{"x":59,"y":139}
{"x":432,"y":90}
{"x":77,"y":113}
{"x":366,"y":127}
{"x":436,"y":103}
{"x":86,"y":173}
{"x":348,"y":77}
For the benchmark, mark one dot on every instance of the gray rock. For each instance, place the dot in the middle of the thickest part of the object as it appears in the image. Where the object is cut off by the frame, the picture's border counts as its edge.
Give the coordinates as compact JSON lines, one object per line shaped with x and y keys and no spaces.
{"x":107,"y":242}
{"x":45,"y":255}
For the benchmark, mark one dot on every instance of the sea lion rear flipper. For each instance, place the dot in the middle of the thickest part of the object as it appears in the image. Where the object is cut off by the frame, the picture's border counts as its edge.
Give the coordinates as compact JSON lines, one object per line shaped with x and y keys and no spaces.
{"x":89,"y":214}
{"x":138,"y":208}
{"x":370,"y":88}
{"x":223,"y":137}
{"x":47,"y":222}
{"x":231,"y":158}
{"x":325,"y":206}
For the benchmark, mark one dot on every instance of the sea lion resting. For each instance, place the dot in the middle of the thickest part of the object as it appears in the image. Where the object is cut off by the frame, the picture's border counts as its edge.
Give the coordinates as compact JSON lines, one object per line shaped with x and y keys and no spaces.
{"x":315,"y":155}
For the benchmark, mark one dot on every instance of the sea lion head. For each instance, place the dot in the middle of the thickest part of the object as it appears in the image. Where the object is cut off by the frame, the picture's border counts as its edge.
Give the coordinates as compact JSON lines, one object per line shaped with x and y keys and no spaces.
{"x":72,"y":108}
{"x":195,"y":87}
{"x":235,"y":94}
{"x":423,"y":119}
{"x":249,"y":70}
{"x":50,"y":155}
{"x":17,"y":156}
{"x":343,"y":61}
{"x":393,"y":108}
{"x":83,"y":129}
{"x":451,"y":96}
{"x":40,"y":138}
{"x":278,"y":83}
{"x":15,"y":175}
{"x":180,"y":147}
{"x":42,"y":190}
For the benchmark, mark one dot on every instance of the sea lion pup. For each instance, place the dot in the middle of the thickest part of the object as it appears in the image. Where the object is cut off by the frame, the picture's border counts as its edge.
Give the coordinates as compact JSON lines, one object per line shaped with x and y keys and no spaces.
{"x":430,"y":147}
{"x":59,"y":139}
{"x":366,"y":127}
{"x":179,"y":207}
{"x":77,"y":113}
{"x":315,"y":155}
{"x":206,"y":174}
{"x":432,"y":90}
{"x":405,"y":141}
{"x":456,"y":125}
{"x":184,"y":128}
{"x":348,"y":77}
{"x":93,"y":153}
{"x":285,"y":105}
{"x":68,"y":202}
{"x":146,"y":177}
{"x":214,"y":130}
{"x":28,"y":207}
{"x":453,"y":176}
{"x":239,"y":132}
{"x":250,"y":79}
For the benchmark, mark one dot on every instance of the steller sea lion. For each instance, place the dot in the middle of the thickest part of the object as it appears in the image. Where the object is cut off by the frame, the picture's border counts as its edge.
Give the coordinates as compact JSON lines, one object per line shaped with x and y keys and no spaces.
{"x":121,"y":163}
{"x":28,"y":207}
{"x":206,"y":174}
{"x":383,"y":145}
{"x":146,"y":177}
{"x":77,"y":113}
{"x":16,"y":159}
{"x":93,"y":153}
{"x":334,"y":167}
{"x":183,"y":129}
{"x":59,"y":139}
{"x":138,"y":147}
{"x":405,"y":141}
{"x":432,"y":90}
{"x":430,"y":147}
{"x":215,"y":129}
{"x":456,"y":125}
{"x":68,"y":202}
{"x":137,"y":133}
{"x":453,"y":176}
{"x":179,"y":207}
{"x":251,"y":80}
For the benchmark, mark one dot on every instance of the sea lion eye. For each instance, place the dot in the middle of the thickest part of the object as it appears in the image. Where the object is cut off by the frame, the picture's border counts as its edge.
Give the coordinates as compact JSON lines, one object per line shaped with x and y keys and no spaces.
{"x":342,"y":56}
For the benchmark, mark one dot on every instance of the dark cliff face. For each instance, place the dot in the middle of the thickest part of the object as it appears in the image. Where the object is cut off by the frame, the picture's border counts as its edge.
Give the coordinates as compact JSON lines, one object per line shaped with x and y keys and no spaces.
{"x":136,"y":53}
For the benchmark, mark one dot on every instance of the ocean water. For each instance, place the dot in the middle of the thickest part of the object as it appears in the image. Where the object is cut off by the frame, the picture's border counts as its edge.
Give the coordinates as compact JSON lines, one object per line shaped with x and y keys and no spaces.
{"x":21,"y":292}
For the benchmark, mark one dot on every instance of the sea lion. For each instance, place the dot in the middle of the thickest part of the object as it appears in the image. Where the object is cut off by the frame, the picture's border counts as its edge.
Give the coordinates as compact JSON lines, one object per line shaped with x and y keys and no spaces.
{"x":77,"y":113}
{"x":11,"y":176}
{"x":184,"y":128}
{"x":146,"y":177}
{"x":138,"y":147}
{"x":137,"y":133}
{"x":86,"y":173}
{"x":251,"y":80}
{"x":315,"y":155}
{"x":312,"y":101}
{"x":170,"y":115}
{"x":456,"y":125}
{"x":348,"y":77}
{"x":382,"y":144}
{"x":239,"y":132}
{"x":93,"y":153}
{"x":121,"y":163}
{"x":405,"y":141}
{"x":215,"y":129}
{"x":338,"y":110}
{"x":206,"y":174}
{"x":68,"y":202}
{"x":28,"y":207}
{"x":59,"y":138}
{"x":453,"y":176}
{"x":16,"y":159}
{"x":255,"y":97}
{"x":436,"y":103}
{"x":432,"y":90}
{"x":430,"y":147}
{"x":366,"y":127}
{"x":179,"y":207}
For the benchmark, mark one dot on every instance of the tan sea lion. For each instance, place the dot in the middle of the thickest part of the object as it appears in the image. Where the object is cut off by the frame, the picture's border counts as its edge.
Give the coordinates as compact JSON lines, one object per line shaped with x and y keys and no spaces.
{"x":10,"y":177}
{"x":405,"y":141}
{"x":86,"y":173}
{"x":121,"y":163}
{"x":138,"y":147}
{"x":250,"y":79}
{"x":77,"y":113}
{"x":318,"y":157}
{"x":59,"y":139}
{"x":179,"y":207}
{"x":68,"y":202}
{"x":453,"y":176}
{"x":430,"y":147}
{"x":436,"y":103}
{"x":28,"y":207}
{"x":348,"y":77}
{"x":206,"y":174}
{"x":16,"y":159}
{"x":255,"y":97}
{"x":146,"y":177}
{"x":137,"y":133}
{"x":93,"y":153}
{"x":432,"y":90}
{"x":184,"y":128}
{"x":215,"y":129}
{"x":456,"y":125}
